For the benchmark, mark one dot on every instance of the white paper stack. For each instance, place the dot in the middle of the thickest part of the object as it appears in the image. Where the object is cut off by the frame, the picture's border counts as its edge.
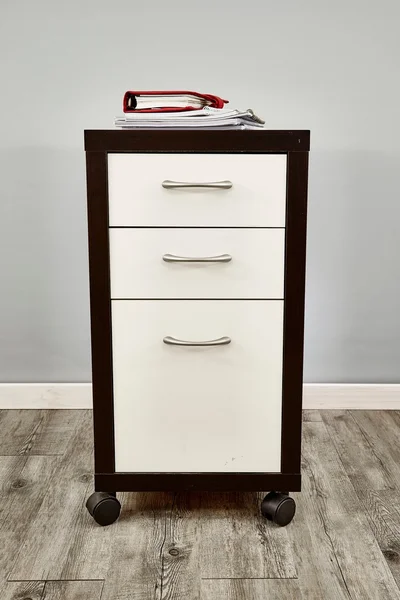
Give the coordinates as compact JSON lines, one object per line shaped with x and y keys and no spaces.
{"x":204,"y":118}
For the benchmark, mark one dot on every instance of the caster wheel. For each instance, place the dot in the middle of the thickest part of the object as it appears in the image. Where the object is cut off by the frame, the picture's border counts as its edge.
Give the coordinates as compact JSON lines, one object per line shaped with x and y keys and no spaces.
{"x":103,"y":507}
{"x":278,"y":507}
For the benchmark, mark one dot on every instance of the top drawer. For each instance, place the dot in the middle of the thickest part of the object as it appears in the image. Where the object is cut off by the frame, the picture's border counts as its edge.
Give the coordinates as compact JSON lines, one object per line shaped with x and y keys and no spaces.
{"x":257,"y":197}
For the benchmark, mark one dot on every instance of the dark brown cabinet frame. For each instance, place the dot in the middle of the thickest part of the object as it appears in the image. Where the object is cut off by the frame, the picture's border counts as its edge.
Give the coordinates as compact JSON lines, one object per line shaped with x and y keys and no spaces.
{"x":295,"y":144}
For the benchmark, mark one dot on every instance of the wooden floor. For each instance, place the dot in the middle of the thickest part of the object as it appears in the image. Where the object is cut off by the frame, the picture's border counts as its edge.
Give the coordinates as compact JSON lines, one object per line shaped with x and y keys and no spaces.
{"x":344,"y":542}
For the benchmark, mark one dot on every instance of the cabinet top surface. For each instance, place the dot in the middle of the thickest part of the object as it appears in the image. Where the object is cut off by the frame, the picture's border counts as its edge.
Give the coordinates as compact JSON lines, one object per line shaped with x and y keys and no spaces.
{"x":206,"y":140}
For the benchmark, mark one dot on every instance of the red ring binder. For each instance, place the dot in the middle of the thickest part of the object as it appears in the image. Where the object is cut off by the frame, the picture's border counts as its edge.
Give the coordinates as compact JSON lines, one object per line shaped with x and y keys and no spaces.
{"x":131,"y":97}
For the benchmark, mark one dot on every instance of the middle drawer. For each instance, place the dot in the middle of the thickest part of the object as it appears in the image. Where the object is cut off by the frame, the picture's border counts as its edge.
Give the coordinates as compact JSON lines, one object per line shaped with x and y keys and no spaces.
{"x":197,"y":263}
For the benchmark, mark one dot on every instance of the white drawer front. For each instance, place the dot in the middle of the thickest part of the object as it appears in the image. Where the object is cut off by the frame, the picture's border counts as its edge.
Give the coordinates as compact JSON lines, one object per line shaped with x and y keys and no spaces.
{"x":138,"y":269}
{"x":197,"y":409}
{"x":257,"y":197}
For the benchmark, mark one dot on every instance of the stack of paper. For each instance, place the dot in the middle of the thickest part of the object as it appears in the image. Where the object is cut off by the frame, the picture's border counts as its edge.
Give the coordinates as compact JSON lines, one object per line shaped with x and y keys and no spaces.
{"x":204,"y":118}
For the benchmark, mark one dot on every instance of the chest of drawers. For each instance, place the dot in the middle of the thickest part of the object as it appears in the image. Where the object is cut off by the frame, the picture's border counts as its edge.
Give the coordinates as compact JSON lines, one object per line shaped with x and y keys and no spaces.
{"x":197,"y":269}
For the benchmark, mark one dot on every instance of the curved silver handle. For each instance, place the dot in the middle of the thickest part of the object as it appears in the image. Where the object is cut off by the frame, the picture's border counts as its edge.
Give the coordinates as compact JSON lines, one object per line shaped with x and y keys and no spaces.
{"x":218,"y":342}
{"x":221,"y":185}
{"x":221,"y":258}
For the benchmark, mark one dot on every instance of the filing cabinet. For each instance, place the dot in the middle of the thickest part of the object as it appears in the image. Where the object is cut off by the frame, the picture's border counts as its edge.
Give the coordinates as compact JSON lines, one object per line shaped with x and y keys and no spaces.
{"x":197,"y":268}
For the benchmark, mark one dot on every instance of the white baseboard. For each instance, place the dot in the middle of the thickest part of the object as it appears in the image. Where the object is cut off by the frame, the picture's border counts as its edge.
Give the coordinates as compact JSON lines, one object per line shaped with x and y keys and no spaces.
{"x":367,"y":396}
{"x":316,"y":396}
{"x":45,"y":395}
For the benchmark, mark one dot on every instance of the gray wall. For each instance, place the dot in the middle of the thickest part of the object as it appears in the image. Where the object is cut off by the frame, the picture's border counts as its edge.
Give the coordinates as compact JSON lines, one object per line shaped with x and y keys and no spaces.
{"x":330,"y":67}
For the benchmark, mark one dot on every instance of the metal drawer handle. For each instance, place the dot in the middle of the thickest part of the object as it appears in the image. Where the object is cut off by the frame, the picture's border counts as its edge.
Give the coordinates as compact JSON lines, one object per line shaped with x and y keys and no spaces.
{"x":220,"y":185}
{"x":221,"y":258}
{"x":175,"y":342}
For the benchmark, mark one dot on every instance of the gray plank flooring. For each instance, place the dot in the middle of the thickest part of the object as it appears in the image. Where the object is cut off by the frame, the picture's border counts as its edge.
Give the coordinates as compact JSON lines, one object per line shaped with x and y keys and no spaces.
{"x":139,"y":548}
{"x":52,"y":590}
{"x":383,"y":510}
{"x":367,"y":466}
{"x":344,"y":543}
{"x":362,"y":566}
{"x":311,"y":415}
{"x":60,"y":542}
{"x":236,"y":541}
{"x":72,"y":590}
{"x":23,"y":485}
{"x":250,"y":589}
{"x":18,"y":590}
{"x":36,"y":431}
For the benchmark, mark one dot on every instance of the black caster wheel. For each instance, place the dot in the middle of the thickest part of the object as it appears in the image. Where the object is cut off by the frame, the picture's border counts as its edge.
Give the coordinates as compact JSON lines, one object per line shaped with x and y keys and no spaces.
{"x":278,"y":507}
{"x":103,"y":507}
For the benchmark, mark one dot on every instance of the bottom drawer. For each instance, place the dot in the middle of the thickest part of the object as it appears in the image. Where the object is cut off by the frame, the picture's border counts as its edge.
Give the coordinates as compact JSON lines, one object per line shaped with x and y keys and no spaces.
{"x":181,"y":408}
